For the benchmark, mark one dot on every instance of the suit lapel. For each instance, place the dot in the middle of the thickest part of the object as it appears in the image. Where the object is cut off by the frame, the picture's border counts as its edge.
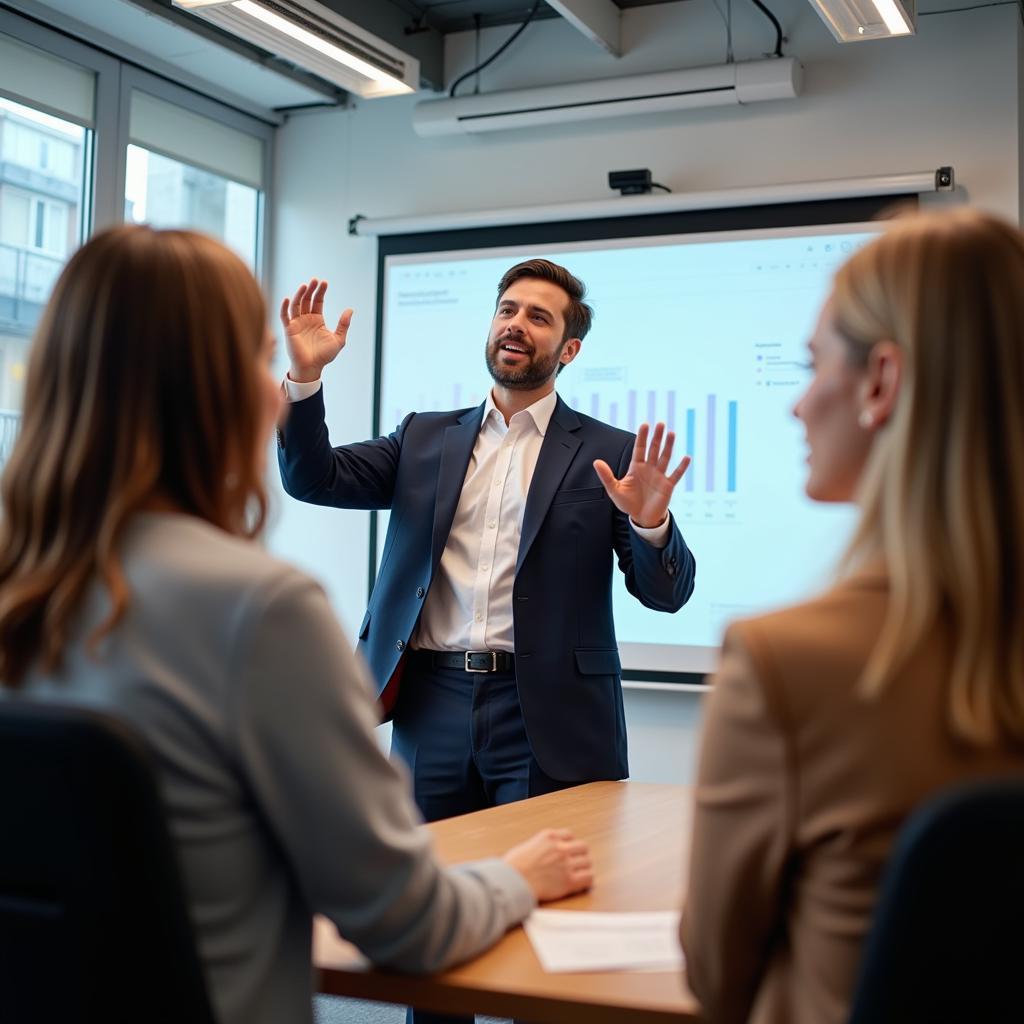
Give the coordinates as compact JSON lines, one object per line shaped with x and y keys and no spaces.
{"x":456,"y":449}
{"x":556,"y":454}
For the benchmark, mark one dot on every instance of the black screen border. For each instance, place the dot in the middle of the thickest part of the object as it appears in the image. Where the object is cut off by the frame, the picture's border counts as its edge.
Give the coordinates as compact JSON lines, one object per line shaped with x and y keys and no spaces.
{"x":857,"y":209}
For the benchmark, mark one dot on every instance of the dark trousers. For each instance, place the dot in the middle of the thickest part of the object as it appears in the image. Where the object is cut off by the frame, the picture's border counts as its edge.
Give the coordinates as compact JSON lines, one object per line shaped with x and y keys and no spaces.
{"x":461,"y":734}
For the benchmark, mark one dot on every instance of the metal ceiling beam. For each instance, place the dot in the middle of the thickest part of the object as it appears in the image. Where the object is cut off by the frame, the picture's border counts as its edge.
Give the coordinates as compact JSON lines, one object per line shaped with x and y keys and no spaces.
{"x":599,"y":20}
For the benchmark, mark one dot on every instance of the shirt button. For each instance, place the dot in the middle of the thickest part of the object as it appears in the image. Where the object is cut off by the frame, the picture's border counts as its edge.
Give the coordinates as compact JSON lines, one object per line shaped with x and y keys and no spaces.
{"x":484,"y":568}
{"x":491,"y":525}
{"x":420,"y":591}
{"x":399,"y":645}
{"x":479,"y":617}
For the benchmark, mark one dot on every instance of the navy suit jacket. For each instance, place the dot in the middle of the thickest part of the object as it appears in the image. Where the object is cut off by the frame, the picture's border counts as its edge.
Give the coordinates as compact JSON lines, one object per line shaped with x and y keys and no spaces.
{"x":567,"y":661}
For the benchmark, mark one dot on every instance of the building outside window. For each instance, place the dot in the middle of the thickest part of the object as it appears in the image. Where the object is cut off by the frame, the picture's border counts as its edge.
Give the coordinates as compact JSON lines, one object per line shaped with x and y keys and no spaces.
{"x":67,"y":168}
{"x":42,"y":184}
{"x":168,"y":193}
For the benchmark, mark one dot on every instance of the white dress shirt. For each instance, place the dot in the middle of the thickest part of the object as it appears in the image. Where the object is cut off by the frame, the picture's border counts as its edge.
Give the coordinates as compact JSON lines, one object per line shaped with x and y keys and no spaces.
{"x":469,"y":605}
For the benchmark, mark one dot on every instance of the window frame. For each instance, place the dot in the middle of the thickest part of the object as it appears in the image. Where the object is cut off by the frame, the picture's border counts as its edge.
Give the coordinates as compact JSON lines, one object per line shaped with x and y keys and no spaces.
{"x":135,"y":79}
{"x":115,"y":79}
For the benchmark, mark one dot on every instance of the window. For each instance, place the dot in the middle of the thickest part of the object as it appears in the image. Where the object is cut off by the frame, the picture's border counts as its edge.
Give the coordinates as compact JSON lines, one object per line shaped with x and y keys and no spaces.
{"x":187,"y":169}
{"x":43,"y":179}
{"x":66,"y":111}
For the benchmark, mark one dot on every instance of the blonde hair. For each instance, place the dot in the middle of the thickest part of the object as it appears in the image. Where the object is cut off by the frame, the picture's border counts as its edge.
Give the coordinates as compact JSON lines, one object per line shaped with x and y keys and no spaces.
{"x":142,"y":387}
{"x":942,"y":496}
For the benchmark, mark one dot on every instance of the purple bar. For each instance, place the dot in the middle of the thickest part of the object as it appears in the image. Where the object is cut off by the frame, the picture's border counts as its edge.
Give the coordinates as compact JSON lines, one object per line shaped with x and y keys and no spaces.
{"x":670,"y":410}
{"x":613,"y":413}
{"x":631,"y":406}
{"x":595,"y":405}
{"x":710,"y":478}
{"x":691,"y":429}
{"x":652,"y":407}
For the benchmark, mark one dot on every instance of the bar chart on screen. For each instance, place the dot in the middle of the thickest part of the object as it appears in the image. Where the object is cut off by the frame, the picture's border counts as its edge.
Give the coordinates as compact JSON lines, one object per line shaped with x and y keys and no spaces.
{"x":705,"y":427}
{"x":706,"y":334}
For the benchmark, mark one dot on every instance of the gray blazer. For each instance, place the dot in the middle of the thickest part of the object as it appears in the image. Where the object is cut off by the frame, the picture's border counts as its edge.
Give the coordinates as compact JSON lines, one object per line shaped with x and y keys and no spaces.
{"x":234,"y":667}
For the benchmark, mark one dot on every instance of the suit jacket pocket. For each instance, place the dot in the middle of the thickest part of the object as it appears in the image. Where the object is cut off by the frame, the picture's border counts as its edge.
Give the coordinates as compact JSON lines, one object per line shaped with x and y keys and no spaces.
{"x":578,"y":494}
{"x":595,"y":661}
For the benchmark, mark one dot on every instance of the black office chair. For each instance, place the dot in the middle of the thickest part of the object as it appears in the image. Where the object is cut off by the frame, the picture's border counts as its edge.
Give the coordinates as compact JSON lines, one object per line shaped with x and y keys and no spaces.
{"x":94,"y":928}
{"x":947,"y":942}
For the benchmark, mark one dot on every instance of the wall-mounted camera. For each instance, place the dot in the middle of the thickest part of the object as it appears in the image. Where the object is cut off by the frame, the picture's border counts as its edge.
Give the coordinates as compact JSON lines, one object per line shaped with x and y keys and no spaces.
{"x":630,"y":183}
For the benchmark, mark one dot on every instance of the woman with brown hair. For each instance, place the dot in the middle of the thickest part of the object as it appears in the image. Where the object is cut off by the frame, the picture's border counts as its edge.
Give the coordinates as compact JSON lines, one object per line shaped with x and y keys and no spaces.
{"x":829,"y":722}
{"x":129,"y":581}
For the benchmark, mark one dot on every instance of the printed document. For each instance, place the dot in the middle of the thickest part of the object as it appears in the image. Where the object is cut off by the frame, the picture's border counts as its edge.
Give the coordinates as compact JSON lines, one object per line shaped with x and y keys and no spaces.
{"x":577,"y":940}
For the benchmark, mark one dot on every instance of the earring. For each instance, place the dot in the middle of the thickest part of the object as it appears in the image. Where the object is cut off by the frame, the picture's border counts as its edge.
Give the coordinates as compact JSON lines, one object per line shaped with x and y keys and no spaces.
{"x":866,"y":420}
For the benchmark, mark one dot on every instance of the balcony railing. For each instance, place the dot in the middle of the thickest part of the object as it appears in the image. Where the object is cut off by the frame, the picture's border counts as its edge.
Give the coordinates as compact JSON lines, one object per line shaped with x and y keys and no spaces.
{"x":26,"y":280}
{"x":9,"y":423}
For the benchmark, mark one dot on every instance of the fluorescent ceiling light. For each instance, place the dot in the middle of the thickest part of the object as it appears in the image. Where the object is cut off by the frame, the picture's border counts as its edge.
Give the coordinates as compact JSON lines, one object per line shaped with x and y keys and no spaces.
{"x":317,"y":39}
{"x":852,"y":21}
{"x":307,"y":38}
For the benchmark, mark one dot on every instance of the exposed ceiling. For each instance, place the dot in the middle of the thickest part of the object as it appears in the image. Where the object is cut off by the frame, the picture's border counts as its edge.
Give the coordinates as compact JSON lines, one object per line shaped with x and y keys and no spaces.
{"x":461,"y":15}
{"x":180,"y":46}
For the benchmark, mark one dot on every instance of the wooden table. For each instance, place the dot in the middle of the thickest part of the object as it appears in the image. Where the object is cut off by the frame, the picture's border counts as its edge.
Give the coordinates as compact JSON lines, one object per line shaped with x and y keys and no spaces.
{"x":637,"y":833}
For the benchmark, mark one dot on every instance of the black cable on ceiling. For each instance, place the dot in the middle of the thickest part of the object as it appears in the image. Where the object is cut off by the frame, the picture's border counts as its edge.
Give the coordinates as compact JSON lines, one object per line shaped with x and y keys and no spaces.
{"x":500,"y":50}
{"x":477,"y":20}
{"x":775,"y":21}
{"x":1019,"y":4}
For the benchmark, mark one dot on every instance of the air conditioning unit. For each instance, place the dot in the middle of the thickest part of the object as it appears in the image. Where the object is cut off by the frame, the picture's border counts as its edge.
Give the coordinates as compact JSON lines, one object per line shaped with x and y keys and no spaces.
{"x":719,"y":85}
{"x":315,"y":38}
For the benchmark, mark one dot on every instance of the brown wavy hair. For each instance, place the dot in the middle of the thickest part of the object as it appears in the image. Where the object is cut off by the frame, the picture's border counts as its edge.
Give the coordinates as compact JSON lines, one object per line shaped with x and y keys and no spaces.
{"x":578,"y":315}
{"x":142,"y":391}
{"x":942,"y":496}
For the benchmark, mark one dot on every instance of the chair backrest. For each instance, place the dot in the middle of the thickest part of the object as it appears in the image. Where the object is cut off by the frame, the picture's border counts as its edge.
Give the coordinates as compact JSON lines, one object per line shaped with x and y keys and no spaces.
{"x":93,"y":922}
{"x":947,"y":942}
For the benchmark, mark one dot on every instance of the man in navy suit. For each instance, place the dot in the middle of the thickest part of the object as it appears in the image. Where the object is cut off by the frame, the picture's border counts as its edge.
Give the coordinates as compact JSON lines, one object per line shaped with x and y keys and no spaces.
{"x":489,"y":630}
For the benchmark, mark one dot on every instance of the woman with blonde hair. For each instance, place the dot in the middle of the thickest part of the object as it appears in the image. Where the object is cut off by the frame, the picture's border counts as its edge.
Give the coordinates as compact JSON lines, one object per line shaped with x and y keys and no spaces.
{"x":830,"y":721}
{"x":129,"y":582}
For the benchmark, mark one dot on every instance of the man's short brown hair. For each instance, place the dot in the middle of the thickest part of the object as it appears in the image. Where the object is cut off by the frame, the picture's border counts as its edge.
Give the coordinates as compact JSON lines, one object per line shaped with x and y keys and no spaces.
{"x":578,"y":315}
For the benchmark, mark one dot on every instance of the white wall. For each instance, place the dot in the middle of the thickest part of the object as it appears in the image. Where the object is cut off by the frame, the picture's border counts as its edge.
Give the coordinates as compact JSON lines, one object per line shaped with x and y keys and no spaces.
{"x":950,"y":95}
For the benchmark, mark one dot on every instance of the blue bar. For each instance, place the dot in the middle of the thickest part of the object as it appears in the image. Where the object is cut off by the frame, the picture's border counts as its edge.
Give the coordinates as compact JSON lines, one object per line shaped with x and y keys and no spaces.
{"x":709,"y":469}
{"x":613,"y":413}
{"x":691,"y":428}
{"x":732,"y":446}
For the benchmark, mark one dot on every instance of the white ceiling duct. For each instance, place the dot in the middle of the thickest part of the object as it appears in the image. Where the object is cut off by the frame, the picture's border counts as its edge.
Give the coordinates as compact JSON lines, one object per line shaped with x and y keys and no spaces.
{"x":718,"y":85}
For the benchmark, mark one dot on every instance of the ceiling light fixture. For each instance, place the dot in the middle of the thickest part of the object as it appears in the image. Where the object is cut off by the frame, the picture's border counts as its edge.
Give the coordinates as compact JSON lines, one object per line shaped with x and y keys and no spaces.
{"x":852,"y":21}
{"x":315,"y":38}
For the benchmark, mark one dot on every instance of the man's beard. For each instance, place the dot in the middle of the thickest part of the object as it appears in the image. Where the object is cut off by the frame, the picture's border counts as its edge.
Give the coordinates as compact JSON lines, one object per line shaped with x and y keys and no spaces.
{"x":530,"y":374}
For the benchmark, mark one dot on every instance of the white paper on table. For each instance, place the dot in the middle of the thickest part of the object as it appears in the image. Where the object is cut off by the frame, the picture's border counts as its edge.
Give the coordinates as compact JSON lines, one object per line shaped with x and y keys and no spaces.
{"x":581,"y":940}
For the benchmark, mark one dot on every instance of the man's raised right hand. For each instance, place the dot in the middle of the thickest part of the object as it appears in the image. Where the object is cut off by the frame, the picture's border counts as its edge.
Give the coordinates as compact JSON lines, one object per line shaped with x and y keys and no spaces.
{"x":311,"y":346}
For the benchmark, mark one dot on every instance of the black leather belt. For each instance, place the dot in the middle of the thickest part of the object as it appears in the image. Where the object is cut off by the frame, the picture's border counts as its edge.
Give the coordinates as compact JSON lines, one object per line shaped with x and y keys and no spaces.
{"x":470,"y":661}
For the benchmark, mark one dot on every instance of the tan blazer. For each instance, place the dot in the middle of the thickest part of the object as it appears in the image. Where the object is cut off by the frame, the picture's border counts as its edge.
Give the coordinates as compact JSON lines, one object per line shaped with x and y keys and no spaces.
{"x":801,"y":789}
